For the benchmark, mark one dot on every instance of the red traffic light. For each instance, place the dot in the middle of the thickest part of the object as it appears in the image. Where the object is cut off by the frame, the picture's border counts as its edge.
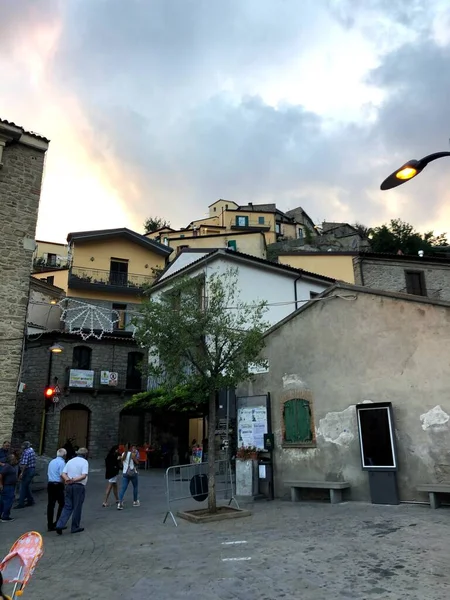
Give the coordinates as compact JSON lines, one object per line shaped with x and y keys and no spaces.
{"x":49,"y":392}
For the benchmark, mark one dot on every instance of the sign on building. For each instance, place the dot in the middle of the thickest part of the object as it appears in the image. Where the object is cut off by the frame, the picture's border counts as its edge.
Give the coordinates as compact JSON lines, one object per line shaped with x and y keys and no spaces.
{"x":109,"y":378}
{"x":81,"y":378}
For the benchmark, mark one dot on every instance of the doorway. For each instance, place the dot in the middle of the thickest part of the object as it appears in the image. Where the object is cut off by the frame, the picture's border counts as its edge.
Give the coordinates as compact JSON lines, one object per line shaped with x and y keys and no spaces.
{"x":74,"y":425}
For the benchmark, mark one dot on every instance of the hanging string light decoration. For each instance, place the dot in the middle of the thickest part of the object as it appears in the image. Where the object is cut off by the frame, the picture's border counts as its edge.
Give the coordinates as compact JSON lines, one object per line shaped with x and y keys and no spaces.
{"x":88,"y":320}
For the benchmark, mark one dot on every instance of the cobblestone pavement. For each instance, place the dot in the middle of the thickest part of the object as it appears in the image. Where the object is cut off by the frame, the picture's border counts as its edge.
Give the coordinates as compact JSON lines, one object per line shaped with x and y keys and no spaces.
{"x":307,"y":551}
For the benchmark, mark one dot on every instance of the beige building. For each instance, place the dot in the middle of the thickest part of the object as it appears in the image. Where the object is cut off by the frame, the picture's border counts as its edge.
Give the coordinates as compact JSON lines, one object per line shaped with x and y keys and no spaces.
{"x":49,"y":254}
{"x":252,"y":242}
{"x":22,"y":157}
{"x":338,"y":265}
{"x":351,"y":346}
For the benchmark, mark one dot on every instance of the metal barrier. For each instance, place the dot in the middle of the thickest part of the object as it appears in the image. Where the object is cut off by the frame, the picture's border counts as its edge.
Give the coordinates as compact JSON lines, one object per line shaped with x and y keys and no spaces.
{"x":191,"y":481}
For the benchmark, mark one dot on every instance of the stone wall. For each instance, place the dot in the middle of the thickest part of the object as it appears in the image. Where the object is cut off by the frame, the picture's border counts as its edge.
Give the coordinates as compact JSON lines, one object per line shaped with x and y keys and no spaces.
{"x":389,"y":275}
{"x":103,"y":403}
{"x":20,"y":185}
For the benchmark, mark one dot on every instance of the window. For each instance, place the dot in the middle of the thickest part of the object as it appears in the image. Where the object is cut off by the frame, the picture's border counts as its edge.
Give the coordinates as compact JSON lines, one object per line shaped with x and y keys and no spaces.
{"x":313,"y":295}
{"x":226,"y":206}
{"x":297,"y":422}
{"x":119,"y":312}
{"x":50,"y":279}
{"x":166,"y":241}
{"x":134,"y":375}
{"x":232,"y":245}
{"x":118,"y":271}
{"x":300,"y":233}
{"x":277,"y":227}
{"x":415,"y":283}
{"x":261,"y":220}
{"x":81,"y":358}
{"x":182,"y":235}
{"x":241,"y":221}
{"x":51,"y":260}
{"x":215,"y":208}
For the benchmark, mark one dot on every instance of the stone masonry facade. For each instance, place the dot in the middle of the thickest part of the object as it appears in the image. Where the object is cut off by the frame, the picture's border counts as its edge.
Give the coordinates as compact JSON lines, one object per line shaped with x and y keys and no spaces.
{"x":389,"y":274}
{"x":21,"y":169}
{"x":104,"y":404}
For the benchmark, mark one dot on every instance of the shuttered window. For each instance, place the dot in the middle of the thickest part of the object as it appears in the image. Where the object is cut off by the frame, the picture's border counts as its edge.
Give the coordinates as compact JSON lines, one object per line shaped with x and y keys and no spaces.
{"x":297,"y":422}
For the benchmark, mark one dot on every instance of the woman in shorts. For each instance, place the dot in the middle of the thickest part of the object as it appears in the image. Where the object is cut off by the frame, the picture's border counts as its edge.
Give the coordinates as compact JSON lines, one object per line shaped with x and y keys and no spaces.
{"x":112,"y":468}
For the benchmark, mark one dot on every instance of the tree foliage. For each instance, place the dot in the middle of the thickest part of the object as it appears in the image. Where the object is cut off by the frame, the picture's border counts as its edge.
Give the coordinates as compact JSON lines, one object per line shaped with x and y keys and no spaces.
{"x":202,"y":337}
{"x":154,"y":223}
{"x":401,"y":236}
{"x":184,"y":398}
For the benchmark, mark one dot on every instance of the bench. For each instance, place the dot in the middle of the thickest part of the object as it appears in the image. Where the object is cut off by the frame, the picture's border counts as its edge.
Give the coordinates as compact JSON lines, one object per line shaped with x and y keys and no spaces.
{"x":335,"y":488}
{"x":434,"y":490}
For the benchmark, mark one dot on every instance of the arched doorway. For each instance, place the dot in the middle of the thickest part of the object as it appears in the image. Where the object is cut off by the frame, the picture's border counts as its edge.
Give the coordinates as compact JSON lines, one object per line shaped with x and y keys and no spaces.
{"x":74,"y":425}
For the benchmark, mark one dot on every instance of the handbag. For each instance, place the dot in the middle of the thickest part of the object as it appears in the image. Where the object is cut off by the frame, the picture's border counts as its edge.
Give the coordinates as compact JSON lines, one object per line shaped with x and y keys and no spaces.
{"x":131,"y":469}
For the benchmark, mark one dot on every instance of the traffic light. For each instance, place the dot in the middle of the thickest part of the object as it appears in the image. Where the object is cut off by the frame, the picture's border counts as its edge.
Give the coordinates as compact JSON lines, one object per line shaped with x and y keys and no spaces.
{"x":49,"y":393}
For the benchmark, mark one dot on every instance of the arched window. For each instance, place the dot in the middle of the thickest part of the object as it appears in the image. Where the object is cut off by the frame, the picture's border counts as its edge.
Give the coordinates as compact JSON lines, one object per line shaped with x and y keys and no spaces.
{"x":81,"y":358}
{"x":298,"y":425}
{"x":134,"y":373}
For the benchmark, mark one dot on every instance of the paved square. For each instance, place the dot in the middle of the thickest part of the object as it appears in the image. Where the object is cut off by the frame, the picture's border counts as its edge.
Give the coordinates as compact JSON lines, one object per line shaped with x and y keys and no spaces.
{"x":285,"y":551}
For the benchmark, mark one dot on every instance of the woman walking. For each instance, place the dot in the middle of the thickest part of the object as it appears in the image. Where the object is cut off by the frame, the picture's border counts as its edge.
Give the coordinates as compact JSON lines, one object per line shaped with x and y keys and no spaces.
{"x":112,"y":468}
{"x":130,"y":462}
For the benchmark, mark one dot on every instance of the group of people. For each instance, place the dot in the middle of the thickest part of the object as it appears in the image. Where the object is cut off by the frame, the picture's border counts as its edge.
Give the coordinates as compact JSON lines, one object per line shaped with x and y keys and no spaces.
{"x":67,"y":479}
{"x":15,"y":467}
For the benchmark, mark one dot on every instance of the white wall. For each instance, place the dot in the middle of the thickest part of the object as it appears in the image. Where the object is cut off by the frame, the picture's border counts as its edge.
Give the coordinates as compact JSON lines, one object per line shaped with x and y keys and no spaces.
{"x":263,"y":283}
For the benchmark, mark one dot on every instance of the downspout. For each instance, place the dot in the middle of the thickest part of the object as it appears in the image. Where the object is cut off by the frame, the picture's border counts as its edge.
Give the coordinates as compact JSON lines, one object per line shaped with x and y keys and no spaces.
{"x":295,"y":291}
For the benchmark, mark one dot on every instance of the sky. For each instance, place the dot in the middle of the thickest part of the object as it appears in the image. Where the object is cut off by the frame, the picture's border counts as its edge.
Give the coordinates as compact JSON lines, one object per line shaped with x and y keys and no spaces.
{"x":161,"y":107}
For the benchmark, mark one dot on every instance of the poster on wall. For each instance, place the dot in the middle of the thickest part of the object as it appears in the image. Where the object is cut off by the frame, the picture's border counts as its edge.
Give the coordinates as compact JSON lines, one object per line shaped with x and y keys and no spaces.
{"x":109,"y":378}
{"x":252,"y":425}
{"x":80,"y":378}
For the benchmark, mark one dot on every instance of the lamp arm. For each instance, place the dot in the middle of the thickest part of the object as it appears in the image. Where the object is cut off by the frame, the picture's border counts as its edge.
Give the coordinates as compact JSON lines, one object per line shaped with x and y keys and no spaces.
{"x":427,"y":159}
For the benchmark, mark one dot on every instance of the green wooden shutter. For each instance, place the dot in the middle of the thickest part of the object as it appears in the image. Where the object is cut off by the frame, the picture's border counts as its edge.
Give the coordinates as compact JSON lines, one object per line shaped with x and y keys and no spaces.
{"x":232,"y":245}
{"x":297,"y":421}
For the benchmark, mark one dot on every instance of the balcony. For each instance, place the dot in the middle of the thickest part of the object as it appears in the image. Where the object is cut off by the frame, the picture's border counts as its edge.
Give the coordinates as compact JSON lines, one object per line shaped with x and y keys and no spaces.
{"x":428,"y":293}
{"x":99,"y":279}
{"x":41,"y":264}
{"x":251,"y":223}
{"x":107,"y":381}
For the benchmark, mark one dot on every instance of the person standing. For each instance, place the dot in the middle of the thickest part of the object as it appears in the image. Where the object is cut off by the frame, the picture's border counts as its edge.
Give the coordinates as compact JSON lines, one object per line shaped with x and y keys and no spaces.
{"x":27,"y":468}
{"x":4,"y":452}
{"x":55,"y":487}
{"x":8,"y":482}
{"x":75,"y":475}
{"x":130,"y":462}
{"x":112,"y":468}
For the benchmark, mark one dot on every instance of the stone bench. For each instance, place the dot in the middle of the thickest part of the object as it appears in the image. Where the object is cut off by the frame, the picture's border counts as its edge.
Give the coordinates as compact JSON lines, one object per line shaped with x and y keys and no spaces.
{"x":335,"y":488}
{"x":434,"y":490}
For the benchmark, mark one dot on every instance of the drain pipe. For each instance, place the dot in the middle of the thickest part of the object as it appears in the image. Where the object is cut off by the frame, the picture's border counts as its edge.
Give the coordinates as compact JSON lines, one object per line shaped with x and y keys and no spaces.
{"x":295,"y":291}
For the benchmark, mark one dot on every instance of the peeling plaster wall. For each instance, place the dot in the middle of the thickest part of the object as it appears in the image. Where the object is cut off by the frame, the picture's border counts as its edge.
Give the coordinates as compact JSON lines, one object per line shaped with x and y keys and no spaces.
{"x":373,"y":349}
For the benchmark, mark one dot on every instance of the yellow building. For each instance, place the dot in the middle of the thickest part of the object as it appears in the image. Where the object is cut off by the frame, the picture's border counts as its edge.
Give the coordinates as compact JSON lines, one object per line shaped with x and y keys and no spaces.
{"x":226,"y":218}
{"x":338,"y":265}
{"x":49,"y":254}
{"x":109,"y":268}
{"x":247,"y":242}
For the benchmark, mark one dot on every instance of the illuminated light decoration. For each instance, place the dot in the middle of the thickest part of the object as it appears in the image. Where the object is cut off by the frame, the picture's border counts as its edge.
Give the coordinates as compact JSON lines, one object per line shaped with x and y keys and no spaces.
{"x":49,"y":392}
{"x":88,"y":320}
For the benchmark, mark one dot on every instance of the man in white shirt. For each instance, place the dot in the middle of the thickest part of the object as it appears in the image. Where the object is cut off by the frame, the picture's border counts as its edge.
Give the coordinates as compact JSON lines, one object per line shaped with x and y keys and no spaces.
{"x":55,"y":487}
{"x":75,"y":475}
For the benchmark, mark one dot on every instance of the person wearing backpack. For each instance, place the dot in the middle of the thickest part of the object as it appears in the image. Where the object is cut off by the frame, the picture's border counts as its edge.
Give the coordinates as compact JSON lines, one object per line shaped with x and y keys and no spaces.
{"x":130,"y":463}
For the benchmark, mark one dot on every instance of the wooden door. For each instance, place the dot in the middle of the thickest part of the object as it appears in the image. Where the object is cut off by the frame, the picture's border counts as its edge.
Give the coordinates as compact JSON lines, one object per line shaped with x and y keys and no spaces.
{"x":74,"y":424}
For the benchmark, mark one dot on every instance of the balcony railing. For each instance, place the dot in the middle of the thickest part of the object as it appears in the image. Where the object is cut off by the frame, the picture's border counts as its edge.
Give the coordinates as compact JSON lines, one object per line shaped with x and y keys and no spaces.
{"x":40,"y":264}
{"x":82,"y":277}
{"x":253,"y":223}
{"x":430,"y":293}
{"x":108,"y":380}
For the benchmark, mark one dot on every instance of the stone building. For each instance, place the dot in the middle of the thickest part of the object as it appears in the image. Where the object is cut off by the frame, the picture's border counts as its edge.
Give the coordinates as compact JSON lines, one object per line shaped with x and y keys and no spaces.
{"x":351,"y":346}
{"x":22,"y":157}
{"x":423,"y":276}
{"x":93,"y":380}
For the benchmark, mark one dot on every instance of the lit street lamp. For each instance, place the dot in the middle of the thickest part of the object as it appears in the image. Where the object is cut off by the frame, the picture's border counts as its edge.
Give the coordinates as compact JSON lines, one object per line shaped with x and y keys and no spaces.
{"x":409,"y":170}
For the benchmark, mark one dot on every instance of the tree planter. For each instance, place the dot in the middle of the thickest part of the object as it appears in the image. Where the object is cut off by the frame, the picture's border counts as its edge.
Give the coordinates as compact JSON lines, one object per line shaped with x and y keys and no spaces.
{"x":246,"y":478}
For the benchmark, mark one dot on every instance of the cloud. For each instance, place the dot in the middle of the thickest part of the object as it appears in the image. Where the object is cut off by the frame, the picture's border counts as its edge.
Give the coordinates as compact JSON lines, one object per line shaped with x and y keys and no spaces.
{"x":166,"y":106}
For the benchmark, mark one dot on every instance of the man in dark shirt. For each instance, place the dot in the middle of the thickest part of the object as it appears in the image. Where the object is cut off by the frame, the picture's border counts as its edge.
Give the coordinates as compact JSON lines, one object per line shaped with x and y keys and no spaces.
{"x":4,"y":452}
{"x":8,"y":481}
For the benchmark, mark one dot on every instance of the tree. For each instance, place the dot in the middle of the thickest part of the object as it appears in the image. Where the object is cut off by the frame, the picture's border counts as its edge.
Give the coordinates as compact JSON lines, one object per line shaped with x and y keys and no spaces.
{"x":201,"y":335}
{"x":154,"y":223}
{"x":401,"y":236}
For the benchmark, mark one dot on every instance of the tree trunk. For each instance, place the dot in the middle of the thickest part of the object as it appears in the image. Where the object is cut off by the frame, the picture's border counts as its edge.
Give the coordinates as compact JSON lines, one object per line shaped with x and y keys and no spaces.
{"x":212,"y":506}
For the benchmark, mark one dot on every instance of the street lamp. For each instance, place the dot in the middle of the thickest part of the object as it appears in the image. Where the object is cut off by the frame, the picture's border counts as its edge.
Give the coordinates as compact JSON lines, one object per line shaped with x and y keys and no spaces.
{"x":409,"y":170}
{"x":50,"y":391}
{"x":56,"y":348}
